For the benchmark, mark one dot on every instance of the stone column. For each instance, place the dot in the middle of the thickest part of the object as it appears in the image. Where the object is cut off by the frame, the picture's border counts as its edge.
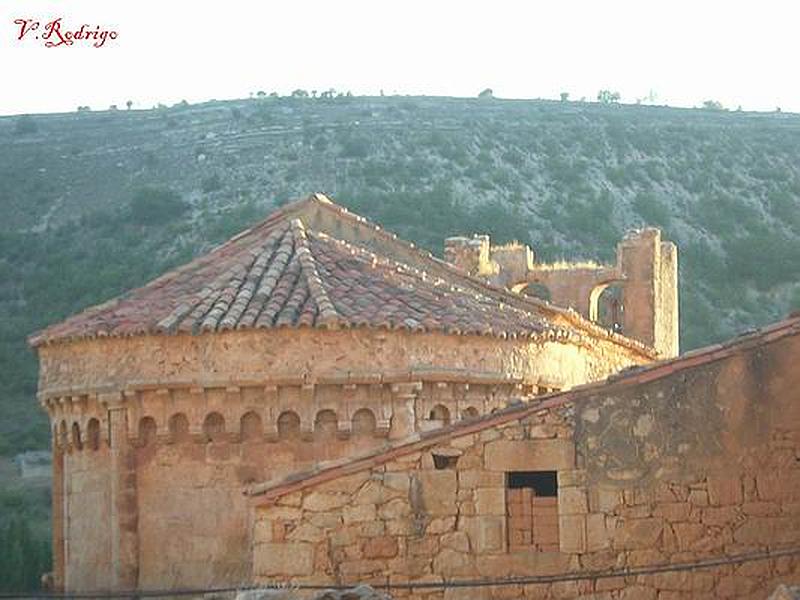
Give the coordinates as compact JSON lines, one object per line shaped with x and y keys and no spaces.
{"x":404,"y":410}
{"x":124,"y":503}
{"x":58,"y":513}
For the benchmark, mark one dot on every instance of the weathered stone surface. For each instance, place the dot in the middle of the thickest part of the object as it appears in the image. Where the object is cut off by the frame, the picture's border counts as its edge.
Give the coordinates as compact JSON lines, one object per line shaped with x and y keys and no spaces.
{"x":306,"y":532}
{"x":638,"y":592}
{"x":490,"y":501}
{"x":325,"y":501}
{"x":572,"y":478}
{"x":638,"y":533}
{"x":441,"y":525}
{"x":724,"y":491}
{"x":673,"y":511}
{"x":683,"y":581}
{"x":486,"y":533}
{"x":604,"y":499}
{"x":395,"y":509}
{"x":480,"y":478}
{"x":284,"y":559}
{"x":521,"y":562}
{"x":359,"y":513}
{"x":572,"y":501}
{"x":572,"y":533}
{"x":265,"y":595}
{"x":598,"y":536}
{"x":380,"y":547}
{"x":450,"y":562}
{"x":397,"y":481}
{"x":530,"y":455}
{"x":457,"y":540}
{"x":438,"y":492}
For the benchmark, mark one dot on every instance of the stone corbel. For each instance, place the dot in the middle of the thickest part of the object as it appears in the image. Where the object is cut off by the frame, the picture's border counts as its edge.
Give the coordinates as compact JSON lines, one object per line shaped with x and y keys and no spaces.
{"x":197,"y":395}
{"x":345,"y":425}
{"x":307,"y":400}
{"x":271,"y":413}
{"x":403,"y":420}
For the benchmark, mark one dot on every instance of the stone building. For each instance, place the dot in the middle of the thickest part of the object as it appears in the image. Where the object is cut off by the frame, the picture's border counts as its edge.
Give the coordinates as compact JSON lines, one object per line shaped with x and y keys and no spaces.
{"x":313,"y":338}
{"x":686,"y":461}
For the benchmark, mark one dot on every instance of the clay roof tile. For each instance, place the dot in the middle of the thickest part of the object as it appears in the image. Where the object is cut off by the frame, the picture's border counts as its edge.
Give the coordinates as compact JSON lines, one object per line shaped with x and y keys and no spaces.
{"x":282,"y":273}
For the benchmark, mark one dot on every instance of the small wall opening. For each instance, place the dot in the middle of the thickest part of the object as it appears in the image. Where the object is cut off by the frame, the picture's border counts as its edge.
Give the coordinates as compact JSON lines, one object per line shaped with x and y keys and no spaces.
{"x":147,"y":431}
{"x":178,"y":428}
{"x":93,"y":434}
{"x":606,"y":306}
{"x":440,"y":413}
{"x":326,"y":424}
{"x":77,"y":443}
{"x":288,"y":425}
{"x":444,"y":461}
{"x":470,"y":413}
{"x":251,"y":426}
{"x":544,"y":483}
{"x":364,"y":423}
{"x":214,"y":427}
{"x":532,"y":510}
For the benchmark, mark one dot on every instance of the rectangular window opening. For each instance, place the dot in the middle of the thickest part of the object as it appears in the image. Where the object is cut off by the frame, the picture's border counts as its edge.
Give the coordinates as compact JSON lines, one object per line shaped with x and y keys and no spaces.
{"x":532,"y":510}
{"x":544,"y":483}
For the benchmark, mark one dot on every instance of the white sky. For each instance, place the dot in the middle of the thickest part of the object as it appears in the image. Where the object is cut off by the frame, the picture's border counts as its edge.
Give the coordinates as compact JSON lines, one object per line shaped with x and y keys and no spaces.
{"x":739,"y":53}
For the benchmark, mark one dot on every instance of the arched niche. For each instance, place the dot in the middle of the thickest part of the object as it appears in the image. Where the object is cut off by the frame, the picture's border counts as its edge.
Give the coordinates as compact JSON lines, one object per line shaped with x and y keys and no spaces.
{"x":251,"y":426}
{"x":470,"y":413}
{"x":606,"y":305}
{"x":214,"y":427}
{"x":325,"y":424}
{"x":93,"y":434}
{"x":440,"y":413}
{"x":288,"y":425}
{"x":147,"y":431}
{"x":178,"y":428}
{"x":364,"y":423}
{"x":77,"y":442}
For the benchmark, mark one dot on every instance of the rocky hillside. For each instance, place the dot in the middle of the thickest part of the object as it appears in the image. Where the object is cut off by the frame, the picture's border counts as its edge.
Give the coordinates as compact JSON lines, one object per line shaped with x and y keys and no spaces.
{"x":95,"y":203}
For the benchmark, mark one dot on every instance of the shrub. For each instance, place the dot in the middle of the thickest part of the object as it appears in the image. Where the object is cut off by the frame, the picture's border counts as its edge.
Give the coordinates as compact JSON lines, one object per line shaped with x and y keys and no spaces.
{"x":152,"y":205}
{"x":355,"y":147}
{"x":212,"y":183}
{"x":25,"y":125}
{"x":651,"y":209}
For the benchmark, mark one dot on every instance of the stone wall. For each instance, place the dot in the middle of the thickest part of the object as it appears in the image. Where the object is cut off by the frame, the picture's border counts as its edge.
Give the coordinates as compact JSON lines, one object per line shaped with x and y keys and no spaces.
{"x":224,"y":358}
{"x":87,"y":507}
{"x":187,"y":421}
{"x":646,"y":271}
{"x":674,"y":465}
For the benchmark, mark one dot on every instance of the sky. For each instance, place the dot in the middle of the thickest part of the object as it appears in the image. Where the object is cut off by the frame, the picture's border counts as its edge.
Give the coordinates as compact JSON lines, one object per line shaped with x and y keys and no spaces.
{"x":740,"y":53}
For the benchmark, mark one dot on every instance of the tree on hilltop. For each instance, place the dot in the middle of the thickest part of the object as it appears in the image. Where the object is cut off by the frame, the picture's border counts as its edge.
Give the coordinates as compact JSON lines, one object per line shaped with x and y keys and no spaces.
{"x":607,"y":97}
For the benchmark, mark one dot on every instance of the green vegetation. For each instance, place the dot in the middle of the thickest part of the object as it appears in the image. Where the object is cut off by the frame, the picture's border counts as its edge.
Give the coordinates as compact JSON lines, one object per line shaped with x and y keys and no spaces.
{"x":212,"y":183}
{"x":151,"y":205}
{"x":25,"y":125}
{"x":25,"y":552}
{"x":23,"y":559}
{"x":114,"y":199}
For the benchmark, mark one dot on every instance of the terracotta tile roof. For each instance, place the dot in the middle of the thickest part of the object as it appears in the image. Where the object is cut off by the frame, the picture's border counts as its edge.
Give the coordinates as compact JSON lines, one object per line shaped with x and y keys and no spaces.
{"x":282,"y":274}
{"x":267,"y":492}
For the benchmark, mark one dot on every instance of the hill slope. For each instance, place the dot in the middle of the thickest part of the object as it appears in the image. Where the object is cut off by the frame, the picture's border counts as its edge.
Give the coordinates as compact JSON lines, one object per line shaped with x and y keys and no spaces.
{"x":96,"y":203}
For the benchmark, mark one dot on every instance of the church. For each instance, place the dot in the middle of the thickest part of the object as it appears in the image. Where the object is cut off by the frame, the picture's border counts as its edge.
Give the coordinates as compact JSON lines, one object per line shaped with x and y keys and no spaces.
{"x":318,"y":402}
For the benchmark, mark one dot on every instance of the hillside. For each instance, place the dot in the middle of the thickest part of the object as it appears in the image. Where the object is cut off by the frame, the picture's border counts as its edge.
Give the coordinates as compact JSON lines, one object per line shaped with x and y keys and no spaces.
{"x":95,"y":203}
